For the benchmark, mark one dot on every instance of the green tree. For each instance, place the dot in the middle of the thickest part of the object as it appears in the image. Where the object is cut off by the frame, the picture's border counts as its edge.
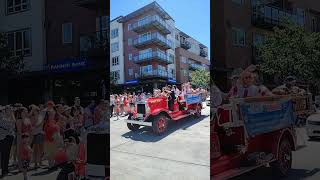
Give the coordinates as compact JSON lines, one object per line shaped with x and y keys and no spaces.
{"x":200,"y":78}
{"x":290,"y":50}
{"x":9,"y":64}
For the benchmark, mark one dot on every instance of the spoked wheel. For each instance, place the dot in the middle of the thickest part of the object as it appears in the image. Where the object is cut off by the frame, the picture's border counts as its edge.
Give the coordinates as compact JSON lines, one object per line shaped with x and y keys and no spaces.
{"x":133,"y":127}
{"x":160,"y":124}
{"x":284,"y":161}
{"x":198,"y":110}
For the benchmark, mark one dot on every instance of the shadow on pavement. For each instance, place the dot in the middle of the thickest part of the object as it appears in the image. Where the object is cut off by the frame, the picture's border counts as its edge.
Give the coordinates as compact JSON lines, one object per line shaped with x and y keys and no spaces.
{"x":46,"y":172}
{"x":145,"y":134}
{"x":314,"y":139}
{"x":267,"y":174}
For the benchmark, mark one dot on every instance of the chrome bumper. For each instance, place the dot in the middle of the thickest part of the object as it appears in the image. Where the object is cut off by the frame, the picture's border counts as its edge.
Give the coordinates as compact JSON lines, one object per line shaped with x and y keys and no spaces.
{"x":139,"y":122}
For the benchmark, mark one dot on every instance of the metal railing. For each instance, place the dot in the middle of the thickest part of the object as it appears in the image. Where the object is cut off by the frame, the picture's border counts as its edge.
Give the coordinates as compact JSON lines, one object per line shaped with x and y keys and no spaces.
{"x":156,"y":73}
{"x":153,"y":37}
{"x":272,"y":16}
{"x":93,"y":40}
{"x":152,"y":20}
{"x":185,"y":44}
{"x":203,"y":53}
{"x":152,"y":55}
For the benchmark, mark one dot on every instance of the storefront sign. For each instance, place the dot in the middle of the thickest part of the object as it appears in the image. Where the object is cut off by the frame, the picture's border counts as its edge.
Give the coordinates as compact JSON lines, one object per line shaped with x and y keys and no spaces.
{"x":68,"y":64}
{"x":132,"y":82}
{"x":172,"y":81}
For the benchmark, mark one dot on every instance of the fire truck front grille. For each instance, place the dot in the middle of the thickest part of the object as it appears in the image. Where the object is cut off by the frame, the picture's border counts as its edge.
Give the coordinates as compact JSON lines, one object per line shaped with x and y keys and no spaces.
{"x":141,"y":109}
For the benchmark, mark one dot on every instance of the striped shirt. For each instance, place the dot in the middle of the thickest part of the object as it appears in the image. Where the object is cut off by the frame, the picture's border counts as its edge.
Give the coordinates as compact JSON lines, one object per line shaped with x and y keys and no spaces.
{"x":6,"y":128}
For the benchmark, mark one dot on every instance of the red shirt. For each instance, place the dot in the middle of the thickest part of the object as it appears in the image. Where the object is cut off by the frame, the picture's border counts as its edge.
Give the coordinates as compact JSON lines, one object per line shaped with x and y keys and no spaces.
{"x":50,"y":129}
{"x":25,"y":152}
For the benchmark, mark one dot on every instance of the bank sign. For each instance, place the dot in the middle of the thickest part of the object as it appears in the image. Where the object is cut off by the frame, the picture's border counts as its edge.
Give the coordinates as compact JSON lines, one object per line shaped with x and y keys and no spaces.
{"x":68,"y":64}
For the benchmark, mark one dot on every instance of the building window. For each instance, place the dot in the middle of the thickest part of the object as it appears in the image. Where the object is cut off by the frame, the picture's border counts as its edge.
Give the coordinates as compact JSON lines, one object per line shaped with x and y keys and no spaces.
{"x":15,"y":6}
{"x":115,"y":61}
{"x":130,"y":72}
{"x":114,"y":33}
{"x":184,"y":73}
{"x":67,"y":33}
{"x":129,"y":27}
{"x":20,"y":42}
{"x":258,"y":39}
{"x":130,"y":56}
{"x":115,"y":75}
{"x":183,"y":60}
{"x":102,"y":23}
{"x":129,"y":41}
{"x":146,"y":69}
{"x":115,"y":47}
{"x":238,"y":37}
{"x":239,"y":2}
{"x":171,"y":58}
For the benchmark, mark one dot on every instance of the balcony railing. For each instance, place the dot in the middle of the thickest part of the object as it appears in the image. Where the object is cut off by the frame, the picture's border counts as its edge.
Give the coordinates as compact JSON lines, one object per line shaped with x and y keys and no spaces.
{"x":194,"y":66}
{"x":90,"y":43}
{"x":185,"y":45}
{"x":203,"y":53}
{"x":151,"y":22}
{"x":153,"y":39}
{"x":153,"y":55}
{"x":156,"y":73}
{"x":269,"y":16}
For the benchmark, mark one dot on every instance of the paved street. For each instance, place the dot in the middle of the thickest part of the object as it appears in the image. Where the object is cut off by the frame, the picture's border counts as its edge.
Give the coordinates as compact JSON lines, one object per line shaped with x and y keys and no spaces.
{"x":39,"y":174}
{"x":181,"y":154}
{"x":306,"y":163}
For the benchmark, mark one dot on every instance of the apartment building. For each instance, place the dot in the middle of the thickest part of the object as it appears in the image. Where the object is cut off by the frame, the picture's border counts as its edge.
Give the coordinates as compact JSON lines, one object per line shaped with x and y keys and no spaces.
{"x":239,"y":25}
{"x":24,"y":23}
{"x":190,"y":55}
{"x":117,"y":54}
{"x":152,"y":50}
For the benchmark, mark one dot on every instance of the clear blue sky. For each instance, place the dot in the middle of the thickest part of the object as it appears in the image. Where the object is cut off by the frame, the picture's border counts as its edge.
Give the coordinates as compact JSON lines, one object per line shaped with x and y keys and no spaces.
{"x":190,"y":16}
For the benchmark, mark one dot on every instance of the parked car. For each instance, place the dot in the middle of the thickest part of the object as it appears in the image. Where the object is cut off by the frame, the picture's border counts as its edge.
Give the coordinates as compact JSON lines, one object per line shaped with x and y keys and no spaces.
{"x":313,"y":125}
{"x":208,"y":101}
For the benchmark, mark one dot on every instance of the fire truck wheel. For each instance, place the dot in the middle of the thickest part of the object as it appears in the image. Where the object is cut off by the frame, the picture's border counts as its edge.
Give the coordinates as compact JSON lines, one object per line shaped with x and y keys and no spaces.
{"x":133,"y":127}
{"x":160,"y":124}
{"x":284,"y":161}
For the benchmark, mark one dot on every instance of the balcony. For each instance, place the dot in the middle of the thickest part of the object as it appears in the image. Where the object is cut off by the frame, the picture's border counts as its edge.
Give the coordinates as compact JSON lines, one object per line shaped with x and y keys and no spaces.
{"x":157,"y":55}
{"x":185,"y":45}
{"x":268,"y":16}
{"x":156,"y":73}
{"x":195,"y":66}
{"x":203,"y":53}
{"x":94,"y":44}
{"x":151,"y":22}
{"x":153,"y":39}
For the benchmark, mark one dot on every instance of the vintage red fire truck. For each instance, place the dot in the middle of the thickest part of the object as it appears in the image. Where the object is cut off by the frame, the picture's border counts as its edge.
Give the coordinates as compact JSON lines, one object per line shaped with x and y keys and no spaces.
{"x":249,"y":133}
{"x":154,"y":112}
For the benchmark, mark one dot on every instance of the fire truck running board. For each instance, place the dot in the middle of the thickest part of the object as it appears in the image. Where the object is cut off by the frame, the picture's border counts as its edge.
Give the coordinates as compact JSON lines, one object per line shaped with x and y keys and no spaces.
{"x":139,"y":122}
{"x":181,"y":116}
{"x":238,"y":171}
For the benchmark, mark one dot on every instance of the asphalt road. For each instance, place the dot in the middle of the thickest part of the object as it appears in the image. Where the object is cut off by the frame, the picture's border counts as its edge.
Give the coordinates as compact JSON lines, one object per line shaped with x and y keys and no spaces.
{"x":180,"y":154}
{"x":39,"y":174}
{"x":305,"y":165}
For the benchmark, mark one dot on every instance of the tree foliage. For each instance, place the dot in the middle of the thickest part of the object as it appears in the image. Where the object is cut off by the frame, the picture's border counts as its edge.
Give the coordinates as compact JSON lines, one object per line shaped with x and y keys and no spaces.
{"x":290,"y":50}
{"x":200,"y":78}
{"x":8,"y":63}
